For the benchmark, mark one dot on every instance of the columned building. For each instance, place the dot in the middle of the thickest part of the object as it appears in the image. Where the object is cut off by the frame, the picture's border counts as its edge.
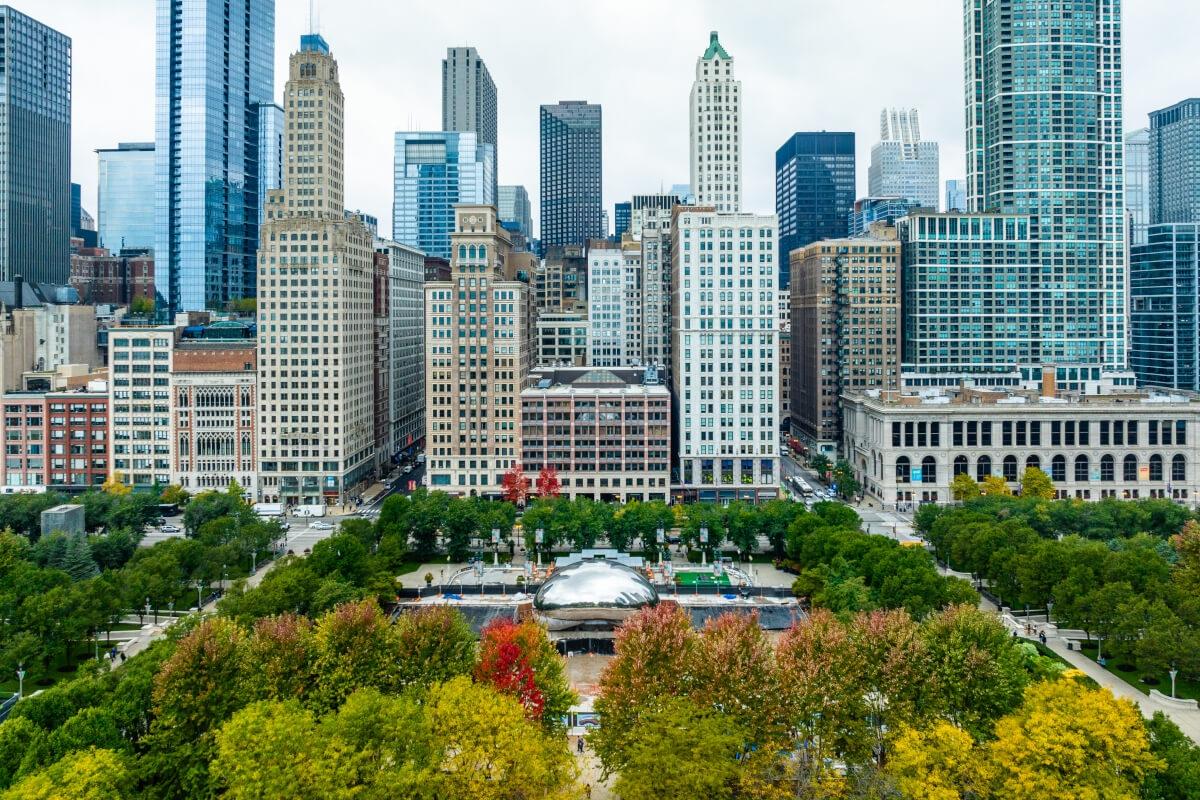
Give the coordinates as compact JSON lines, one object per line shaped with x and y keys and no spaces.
{"x":315,"y":306}
{"x":725,"y":357}
{"x":716,"y":130}
{"x":140,"y":360}
{"x":478,"y":348}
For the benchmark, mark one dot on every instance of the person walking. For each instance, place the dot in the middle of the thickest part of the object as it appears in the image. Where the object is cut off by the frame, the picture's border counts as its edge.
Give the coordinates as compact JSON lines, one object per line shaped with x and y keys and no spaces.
{"x":579,"y":745}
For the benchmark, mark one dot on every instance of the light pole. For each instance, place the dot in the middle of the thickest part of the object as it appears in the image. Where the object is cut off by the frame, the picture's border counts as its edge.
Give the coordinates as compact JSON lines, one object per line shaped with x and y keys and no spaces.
{"x":148,"y":610}
{"x":704,"y":547}
{"x":539,"y":536}
{"x":1050,"y":611}
{"x":495,"y":547}
{"x":660,"y":536}
{"x":199,"y":598}
{"x":171,"y":608}
{"x":21,"y":680}
{"x":253,"y":562}
{"x":1172,"y":672}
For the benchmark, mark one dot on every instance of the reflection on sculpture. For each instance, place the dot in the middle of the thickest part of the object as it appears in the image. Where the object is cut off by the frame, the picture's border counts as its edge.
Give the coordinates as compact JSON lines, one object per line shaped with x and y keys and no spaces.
{"x":594,"y":592}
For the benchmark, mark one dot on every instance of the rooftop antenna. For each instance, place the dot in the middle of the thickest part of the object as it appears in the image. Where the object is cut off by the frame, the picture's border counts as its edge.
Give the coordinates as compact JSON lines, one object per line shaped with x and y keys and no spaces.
{"x":310,"y":17}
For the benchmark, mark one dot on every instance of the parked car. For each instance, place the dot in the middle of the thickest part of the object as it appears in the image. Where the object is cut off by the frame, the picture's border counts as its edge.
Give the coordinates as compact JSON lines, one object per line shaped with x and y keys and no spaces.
{"x":171,"y":529}
{"x":321,"y":526}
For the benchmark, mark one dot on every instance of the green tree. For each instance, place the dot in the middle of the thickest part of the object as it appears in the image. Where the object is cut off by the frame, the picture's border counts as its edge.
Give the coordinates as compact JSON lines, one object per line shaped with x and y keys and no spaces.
{"x":174,"y":494}
{"x":1179,"y":779}
{"x":340,"y":555}
{"x":964,"y":487}
{"x":89,"y":774}
{"x":847,"y":483}
{"x":820,"y":464}
{"x":1035,"y":483}
{"x":435,"y":644}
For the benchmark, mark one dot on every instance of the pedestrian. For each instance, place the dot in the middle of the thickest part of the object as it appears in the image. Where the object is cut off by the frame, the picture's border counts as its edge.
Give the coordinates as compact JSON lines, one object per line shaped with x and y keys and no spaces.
{"x":587,"y":790}
{"x":122,"y":658}
{"x":579,"y":745}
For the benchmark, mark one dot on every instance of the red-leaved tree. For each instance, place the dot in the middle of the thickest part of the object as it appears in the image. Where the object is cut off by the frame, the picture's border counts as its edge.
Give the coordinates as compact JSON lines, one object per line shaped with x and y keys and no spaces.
{"x":515,"y":485}
{"x":519,"y":659}
{"x":548,"y":484}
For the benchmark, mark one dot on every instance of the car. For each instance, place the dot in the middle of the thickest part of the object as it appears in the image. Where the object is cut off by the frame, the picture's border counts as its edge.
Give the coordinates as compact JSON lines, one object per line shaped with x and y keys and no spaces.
{"x":168,"y":528}
{"x":321,"y":526}
{"x":673,"y":540}
{"x":407,"y":468}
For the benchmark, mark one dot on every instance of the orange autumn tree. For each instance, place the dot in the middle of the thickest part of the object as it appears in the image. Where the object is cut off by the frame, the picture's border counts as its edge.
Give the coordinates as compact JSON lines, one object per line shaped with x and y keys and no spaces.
{"x":519,"y":660}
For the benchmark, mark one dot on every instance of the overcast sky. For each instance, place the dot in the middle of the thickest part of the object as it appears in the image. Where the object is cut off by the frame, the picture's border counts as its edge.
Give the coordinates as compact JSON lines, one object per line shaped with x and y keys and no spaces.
{"x":804,"y":65}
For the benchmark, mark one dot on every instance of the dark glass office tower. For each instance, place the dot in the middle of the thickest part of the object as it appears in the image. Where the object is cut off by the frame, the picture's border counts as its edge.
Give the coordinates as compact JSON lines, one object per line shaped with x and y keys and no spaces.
{"x":35,"y":150}
{"x":814,"y":191}
{"x":1175,"y":163}
{"x":571,"y":174}
{"x":215,"y":66}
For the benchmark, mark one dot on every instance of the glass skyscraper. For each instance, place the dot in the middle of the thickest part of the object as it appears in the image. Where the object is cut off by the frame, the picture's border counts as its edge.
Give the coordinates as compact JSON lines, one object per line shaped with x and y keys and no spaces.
{"x":469,"y":100}
{"x":814,"y":191}
{"x":434,"y":172}
{"x":270,"y":153}
{"x":1175,"y":163}
{"x":571,"y":170}
{"x":35,"y":150}
{"x":515,"y":208}
{"x":1045,"y":140}
{"x":125,"y":197}
{"x":956,"y":195}
{"x":902,"y":163}
{"x":1137,"y":183}
{"x":1164,"y":319}
{"x":215,"y":66}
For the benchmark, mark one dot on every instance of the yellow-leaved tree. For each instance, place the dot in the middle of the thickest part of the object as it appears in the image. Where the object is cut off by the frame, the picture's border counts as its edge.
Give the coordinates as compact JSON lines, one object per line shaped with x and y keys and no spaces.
{"x":964,"y":487}
{"x":92,"y":774}
{"x":995,"y":485}
{"x":115,"y":486}
{"x":1035,"y":483}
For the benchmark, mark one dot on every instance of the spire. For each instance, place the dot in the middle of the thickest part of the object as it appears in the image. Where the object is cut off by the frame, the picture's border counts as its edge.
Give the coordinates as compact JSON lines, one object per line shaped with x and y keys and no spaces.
{"x":313,"y":42}
{"x":714,"y":48}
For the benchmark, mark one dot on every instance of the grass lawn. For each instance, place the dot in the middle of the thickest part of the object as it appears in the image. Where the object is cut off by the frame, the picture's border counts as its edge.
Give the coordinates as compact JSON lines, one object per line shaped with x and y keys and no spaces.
{"x":36,"y":679}
{"x":701,"y":579}
{"x":1184,"y":688}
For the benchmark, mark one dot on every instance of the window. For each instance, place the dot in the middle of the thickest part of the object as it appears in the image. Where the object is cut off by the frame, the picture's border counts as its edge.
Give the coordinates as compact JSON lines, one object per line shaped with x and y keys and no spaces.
{"x":928,"y":470}
{"x":1179,"y":468}
{"x":1131,"y":432}
{"x":1108,"y":468}
{"x":961,"y":465}
{"x":1058,"y":468}
{"x":1180,"y":431}
{"x":1081,"y":469}
{"x":1129,"y":468}
{"x":1033,"y":462}
{"x":1010,"y":468}
{"x":983,"y":468}
{"x":1103,"y":433}
{"x":903,"y":470}
{"x":1156,"y":467}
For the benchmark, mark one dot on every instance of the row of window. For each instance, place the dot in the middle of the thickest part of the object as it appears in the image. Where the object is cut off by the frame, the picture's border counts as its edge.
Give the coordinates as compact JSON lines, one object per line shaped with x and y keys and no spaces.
{"x":1131,"y":469}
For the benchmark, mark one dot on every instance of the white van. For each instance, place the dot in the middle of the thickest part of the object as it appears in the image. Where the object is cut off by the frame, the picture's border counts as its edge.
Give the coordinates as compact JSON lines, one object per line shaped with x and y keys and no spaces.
{"x":316,"y":510}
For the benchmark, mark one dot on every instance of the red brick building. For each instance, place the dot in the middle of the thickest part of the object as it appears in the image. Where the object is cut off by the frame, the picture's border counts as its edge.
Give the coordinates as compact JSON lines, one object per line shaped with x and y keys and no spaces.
{"x":101,"y":277}
{"x":58,"y":440}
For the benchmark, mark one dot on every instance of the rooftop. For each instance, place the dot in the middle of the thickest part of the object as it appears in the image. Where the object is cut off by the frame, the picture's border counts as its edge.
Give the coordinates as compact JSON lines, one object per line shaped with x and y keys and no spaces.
{"x":976,"y":396}
{"x":714,"y":48}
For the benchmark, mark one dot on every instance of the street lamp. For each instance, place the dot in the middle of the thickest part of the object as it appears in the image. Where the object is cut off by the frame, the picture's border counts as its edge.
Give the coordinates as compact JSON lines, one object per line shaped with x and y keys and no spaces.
{"x":1050,"y":611}
{"x":495,"y":547}
{"x":660,"y":536}
{"x":21,"y":680}
{"x":1172,"y":672}
{"x":539,"y":536}
{"x":148,"y":610}
{"x":704,"y":547}
{"x":199,"y":598}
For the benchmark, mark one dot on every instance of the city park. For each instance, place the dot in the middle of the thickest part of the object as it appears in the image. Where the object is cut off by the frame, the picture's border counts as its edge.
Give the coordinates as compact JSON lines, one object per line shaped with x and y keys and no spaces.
{"x":772,"y":650}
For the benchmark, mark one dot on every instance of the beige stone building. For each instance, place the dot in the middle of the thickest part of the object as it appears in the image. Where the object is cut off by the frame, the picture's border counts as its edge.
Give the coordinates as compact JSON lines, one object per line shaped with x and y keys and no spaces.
{"x":845,"y":329}
{"x":315,"y":305}
{"x":478,"y":351}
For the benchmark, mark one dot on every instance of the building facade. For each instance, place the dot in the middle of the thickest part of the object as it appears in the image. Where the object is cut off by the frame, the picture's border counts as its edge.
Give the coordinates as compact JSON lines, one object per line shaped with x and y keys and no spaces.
{"x":478,"y":347}
{"x":101,"y":277}
{"x":214,"y":406}
{"x":869,"y":210}
{"x":605,"y":432}
{"x":1164,"y":307}
{"x":561,"y":280}
{"x":622,"y":218}
{"x":846,"y":325}
{"x":315,"y":306}
{"x":902,"y":163}
{"x":515,"y":208}
{"x":215,"y":66}
{"x":435,"y":171}
{"x":1137,"y":183}
{"x":571,"y":173}
{"x":270,"y":154}
{"x":956,"y":195}
{"x":125,"y":197}
{"x":725,"y":357}
{"x":716,"y":130}
{"x":43,"y":328}
{"x":614,"y":275}
{"x":35,"y":150}
{"x":406,"y":363}
{"x":1048,"y":91}
{"x":814,"y":191}
{"x":562,"y":339}
{"x":140,"y":360}
{"x":654,"y":225}
{"x":469,"y":102}
{"x":56,"y":440}
{"x":907,"y":449}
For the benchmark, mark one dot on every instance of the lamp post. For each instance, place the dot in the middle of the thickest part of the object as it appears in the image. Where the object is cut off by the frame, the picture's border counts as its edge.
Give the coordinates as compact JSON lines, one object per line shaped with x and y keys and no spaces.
{"x":171,"y":608}
{"x":253,"y":561}
{"x":1050,"y":611}
{"x":1172,"y":672}
{"x":704,"y":547}
{"x":660,"y":536}
{"x":495,"y":547}
{"x":21,"y":680}
{"x":199,"y":597}
{"x":539,"y":536}
{"x":148,"y":610}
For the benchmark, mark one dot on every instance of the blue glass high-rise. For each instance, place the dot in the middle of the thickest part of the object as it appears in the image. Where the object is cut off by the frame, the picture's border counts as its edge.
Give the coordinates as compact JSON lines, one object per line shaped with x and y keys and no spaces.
{"x":125,"y":197}
{"x":433,"y":172}
{"x":35,"y":150}
{"x":571,"y":173}
{"x":814,"y":191}
{"x":215,"y":65}
{"x":1164,"y":313}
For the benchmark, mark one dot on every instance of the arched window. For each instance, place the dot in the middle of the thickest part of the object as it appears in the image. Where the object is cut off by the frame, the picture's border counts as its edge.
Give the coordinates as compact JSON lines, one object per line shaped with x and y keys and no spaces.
{"x":482,"y":251}
{"x":471,"y":252}
{"x":1010,"y":468}
{"x":1058,"y":468}
{"x":928,"y":470}
{"x":983,"y":468}
{"x":1108,"y":468}
{"x":1156,"y":467}
{"x":462,"y":252}
{"x":1129,"y":468}
{"x":961,"y":465}
{"x":1179,"y":468}
{"x":1033,"y":462}
{"x":1081,"y":469}
{"x":903,"y":470}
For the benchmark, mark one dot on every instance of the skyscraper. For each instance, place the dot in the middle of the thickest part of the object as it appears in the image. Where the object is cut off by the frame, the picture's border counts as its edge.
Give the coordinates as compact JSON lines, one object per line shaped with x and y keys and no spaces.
{"x":902,"y":164}
{"x":515,"y":207}
{"x":716,"y":130}
{"x":35,"y":150}
{"x":125,"y":196}
{"x":1046,"y":94}
{"x":614,"y":293}
{"x":571,"y":173}
{"x":469,"y":101}
{"x":315,"y":305}
{"x":1164,"y":300}
{"x":215,"y":66}
{"x":1175,"y":163}
{"x":814,"y":191}
{"x":270,"y":153}
{"x":434,"y":172}
{"x":956,"y":195}
{"x":1137,"y":183}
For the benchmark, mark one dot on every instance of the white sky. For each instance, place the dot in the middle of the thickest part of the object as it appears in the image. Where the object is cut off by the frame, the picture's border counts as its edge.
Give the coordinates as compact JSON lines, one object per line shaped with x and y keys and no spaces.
{"x":804,"y":65}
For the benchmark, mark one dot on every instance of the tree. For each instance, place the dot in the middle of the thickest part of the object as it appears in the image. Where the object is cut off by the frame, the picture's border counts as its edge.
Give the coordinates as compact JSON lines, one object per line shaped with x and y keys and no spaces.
{"x":115,"y":486}
{"x":1035,"y":483}
{"x":89,"y":774}
{"x":1180,"y":777}
{"x":548,"y":484}
{"x":820,"y":464}
{"x":435,"y":644}
{"x":514,"y":485}
{"x":938,"y":763}
{"x":964,"y":487}
{"x":141,"y":305}
{"x":342,"y":555}
{"x":174,"y":495}
{"x":519,"y":660}
{"x":279,"y":659}
{"x":995,"y":486}
{"x":681,"y":749}
{"x":843,"y":476}
{"x":272,"y":749}
{"x":355,"y":647}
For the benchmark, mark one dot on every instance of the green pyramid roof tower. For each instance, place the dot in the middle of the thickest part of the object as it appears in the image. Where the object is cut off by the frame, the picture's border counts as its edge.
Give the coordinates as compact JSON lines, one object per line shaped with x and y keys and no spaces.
{"x":714,"y":48}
